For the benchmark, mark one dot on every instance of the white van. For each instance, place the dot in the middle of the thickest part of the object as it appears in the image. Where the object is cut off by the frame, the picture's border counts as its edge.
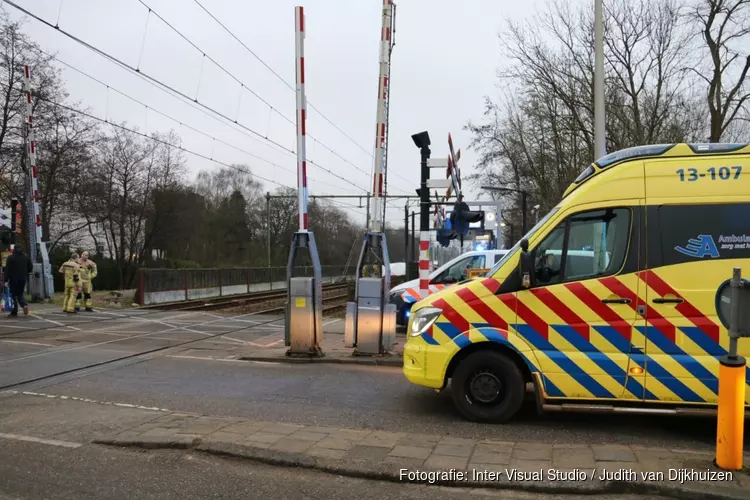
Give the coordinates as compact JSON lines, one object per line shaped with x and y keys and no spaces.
{"x":450,"y":273}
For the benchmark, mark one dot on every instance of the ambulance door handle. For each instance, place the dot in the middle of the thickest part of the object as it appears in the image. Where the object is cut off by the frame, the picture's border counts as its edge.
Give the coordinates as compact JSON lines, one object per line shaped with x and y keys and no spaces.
{"x":662,"y":300}
{"x":618,"y":300}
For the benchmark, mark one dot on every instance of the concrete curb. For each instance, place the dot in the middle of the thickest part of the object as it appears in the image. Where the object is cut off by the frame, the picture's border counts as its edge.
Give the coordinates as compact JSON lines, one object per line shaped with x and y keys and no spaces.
{"x":385,"y":472}
{"x":353,"y":360}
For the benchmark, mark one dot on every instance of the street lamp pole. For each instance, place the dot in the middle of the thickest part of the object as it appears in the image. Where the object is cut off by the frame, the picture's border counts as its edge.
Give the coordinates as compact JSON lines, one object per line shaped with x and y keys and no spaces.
{"x":599,"y":131}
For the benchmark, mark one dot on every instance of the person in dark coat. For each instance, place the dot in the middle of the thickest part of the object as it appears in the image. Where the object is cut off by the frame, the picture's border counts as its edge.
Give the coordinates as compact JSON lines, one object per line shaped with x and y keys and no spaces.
{"x":17,"y":268}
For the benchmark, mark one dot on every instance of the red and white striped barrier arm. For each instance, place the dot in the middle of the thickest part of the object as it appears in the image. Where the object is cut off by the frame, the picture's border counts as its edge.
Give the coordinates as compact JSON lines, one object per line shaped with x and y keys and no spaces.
{"x":299,"y":45}
{"x":380,"y":129}
{"x":32,"y":154}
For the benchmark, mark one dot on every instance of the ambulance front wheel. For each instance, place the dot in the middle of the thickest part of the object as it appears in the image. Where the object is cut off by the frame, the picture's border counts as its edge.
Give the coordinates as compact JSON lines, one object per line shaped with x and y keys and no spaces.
{"x":487,"y":386}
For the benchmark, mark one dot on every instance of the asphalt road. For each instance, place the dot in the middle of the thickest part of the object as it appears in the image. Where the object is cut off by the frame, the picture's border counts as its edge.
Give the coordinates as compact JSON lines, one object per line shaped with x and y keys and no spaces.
{"x":313,"y":394}
{"x":30,"y":471}
{"x":357,"y":396}
{"x":45,"y":344}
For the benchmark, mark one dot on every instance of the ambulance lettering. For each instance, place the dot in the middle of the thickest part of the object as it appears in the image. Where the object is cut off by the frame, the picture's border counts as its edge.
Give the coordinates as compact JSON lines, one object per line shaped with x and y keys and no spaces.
{"x":699,"y":248}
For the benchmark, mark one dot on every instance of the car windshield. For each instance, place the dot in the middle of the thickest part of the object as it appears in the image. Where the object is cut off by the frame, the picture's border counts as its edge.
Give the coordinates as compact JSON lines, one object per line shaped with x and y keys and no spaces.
{"x":515,"y":247}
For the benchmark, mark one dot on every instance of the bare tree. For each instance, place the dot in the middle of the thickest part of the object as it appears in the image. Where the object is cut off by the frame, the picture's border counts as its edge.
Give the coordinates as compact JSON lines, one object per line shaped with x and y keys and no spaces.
{"x":128,"y":168}
{"x":539,"y":137}
{"x":724,"y":29}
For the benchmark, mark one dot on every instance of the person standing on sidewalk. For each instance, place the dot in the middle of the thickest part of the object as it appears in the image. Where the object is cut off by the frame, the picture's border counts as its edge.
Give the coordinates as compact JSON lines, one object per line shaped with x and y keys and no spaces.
{"x":72,"y":272}
{"x":88,"y":273}
{"x":17,"y":269}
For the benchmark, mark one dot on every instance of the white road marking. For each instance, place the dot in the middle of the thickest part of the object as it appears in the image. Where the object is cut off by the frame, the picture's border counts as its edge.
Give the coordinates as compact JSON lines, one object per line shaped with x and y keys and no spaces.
{"x":87,"y":400}
{"x":213,"y":341}
{"x":252,"y":322}
{"x":233,"y":339}
{"x":223,"y":360}
{"x":14,"y":324}
{"x":111,"y":334}
{"x":63,"y":325}
{"x":214,"y":315}
{"x":53,"y":442}
{"x":266,"y":345}
{"x":331,"y":321}
{"x":170,"y":329}
{"x":26,"y":342}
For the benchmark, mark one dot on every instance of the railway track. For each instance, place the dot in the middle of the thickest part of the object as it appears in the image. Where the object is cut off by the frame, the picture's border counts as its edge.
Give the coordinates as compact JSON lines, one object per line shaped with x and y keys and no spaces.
{"x":335,"y":296}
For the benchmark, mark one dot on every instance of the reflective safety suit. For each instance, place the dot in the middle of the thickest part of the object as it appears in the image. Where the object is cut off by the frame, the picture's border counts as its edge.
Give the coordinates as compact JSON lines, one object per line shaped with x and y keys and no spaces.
{"x":88,"y":273}
{"x":72,"y":272}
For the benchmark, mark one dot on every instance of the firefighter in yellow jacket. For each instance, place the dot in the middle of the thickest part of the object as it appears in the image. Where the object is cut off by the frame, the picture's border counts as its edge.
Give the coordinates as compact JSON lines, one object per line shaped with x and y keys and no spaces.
{"x":88,"y":273}
{"x":72,"y":271}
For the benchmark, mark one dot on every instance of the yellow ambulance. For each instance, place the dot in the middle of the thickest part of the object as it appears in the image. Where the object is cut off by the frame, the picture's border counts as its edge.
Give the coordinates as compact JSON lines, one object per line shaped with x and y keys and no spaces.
{"x":609,"y":302}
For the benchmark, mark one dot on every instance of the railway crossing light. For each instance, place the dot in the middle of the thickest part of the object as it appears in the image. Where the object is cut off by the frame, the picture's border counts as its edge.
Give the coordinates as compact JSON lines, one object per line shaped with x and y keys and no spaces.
{"x":421,"y":140}
{"x":445,"y":235}
{"x":733,"y":308}
{"x":462,"y":217}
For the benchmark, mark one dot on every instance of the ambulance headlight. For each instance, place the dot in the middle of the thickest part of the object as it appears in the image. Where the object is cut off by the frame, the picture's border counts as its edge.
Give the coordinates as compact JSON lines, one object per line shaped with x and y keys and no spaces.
{"x":423,"y":319}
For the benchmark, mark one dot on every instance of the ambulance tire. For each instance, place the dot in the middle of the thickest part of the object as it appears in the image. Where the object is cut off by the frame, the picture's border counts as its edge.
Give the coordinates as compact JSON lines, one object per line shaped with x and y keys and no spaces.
{"x":480,"y":376}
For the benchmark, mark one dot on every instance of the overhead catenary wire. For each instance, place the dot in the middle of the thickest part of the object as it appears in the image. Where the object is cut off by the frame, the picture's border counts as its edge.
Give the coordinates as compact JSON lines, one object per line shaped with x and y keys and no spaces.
{"x":155,"y":139}
{"x":291,"y":87}
{"x":182,"y":95}
{"x":242,"y":84}
{"x":269,"y":68}
{"x":175,"y":120}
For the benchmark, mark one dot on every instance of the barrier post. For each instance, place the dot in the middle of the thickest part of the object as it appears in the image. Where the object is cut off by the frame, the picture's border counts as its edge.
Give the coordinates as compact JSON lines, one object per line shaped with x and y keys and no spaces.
{"x":731,"y":412}
{"x":186,"y":283}
{"x":303,"y":327}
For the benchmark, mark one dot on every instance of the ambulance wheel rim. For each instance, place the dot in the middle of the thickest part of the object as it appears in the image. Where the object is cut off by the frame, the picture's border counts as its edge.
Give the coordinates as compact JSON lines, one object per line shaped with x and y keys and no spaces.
{"x":485,"y":387}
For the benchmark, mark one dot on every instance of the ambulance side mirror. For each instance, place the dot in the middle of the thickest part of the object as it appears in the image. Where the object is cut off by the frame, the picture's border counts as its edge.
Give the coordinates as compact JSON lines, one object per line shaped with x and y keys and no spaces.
{"x":527,"y":264}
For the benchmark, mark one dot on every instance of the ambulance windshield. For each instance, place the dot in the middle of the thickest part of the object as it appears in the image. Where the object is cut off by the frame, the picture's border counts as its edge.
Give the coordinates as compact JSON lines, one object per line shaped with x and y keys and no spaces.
{"x":515,"y":247}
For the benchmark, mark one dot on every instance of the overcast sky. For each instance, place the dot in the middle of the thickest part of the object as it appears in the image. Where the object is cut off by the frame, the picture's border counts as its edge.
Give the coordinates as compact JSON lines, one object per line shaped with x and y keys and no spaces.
{"x":444,"y":63}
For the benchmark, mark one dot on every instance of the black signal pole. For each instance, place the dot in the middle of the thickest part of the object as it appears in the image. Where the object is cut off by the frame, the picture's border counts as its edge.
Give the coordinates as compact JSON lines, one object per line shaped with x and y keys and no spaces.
{"x":406,"y":236}
{"x":413,"y":245}
{"x":422,"y":141}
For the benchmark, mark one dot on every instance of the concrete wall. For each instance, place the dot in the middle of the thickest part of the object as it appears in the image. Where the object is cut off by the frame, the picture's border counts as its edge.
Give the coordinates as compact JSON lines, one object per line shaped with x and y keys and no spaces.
{"x":163,"y":297}
{"x":203,"y":293}
{"x":233,"y":290}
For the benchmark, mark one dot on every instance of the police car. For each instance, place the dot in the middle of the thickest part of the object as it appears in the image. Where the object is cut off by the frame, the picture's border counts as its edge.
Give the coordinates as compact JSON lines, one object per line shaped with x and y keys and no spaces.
{"x":452,"y":272}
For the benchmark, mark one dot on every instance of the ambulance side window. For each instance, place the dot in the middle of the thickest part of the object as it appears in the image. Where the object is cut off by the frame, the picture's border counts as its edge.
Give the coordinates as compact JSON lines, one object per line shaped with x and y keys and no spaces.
{"x":587,"y":245}
{"x":597,"y":243}
{"x":549,"y":257}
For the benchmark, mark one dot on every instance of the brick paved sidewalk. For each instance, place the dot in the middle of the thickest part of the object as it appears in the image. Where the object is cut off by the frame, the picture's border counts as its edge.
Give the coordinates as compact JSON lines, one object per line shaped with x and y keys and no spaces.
{"x":382,"y":454}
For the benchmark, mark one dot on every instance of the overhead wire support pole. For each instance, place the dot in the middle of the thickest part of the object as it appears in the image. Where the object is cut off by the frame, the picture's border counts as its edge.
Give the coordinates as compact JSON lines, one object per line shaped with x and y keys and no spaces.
{"x":304,"y":308}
